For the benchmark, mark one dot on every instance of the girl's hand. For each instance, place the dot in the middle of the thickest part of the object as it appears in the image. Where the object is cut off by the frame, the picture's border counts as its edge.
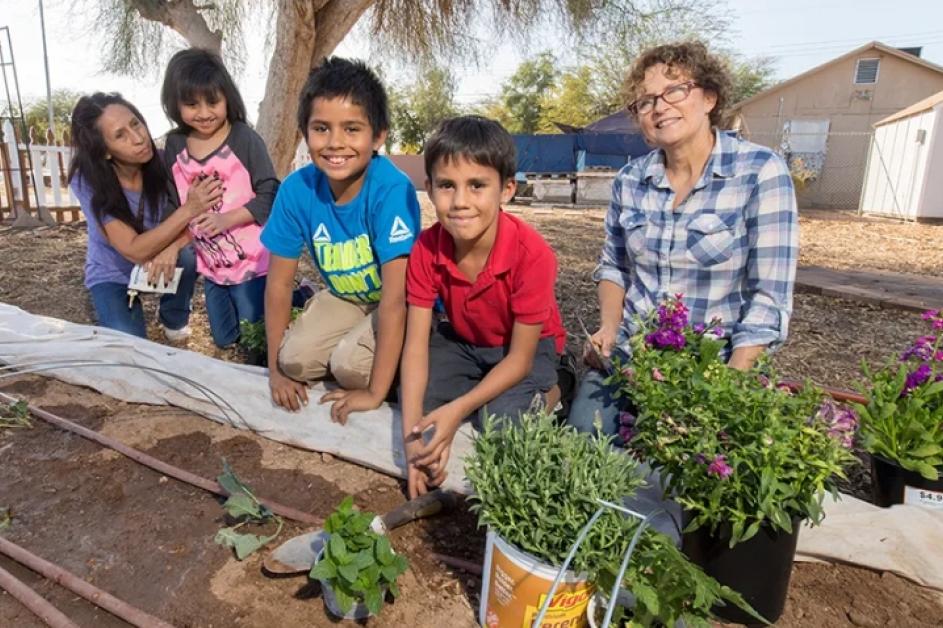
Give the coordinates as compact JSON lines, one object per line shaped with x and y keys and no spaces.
{"x":203,"y":195}
{"x":212,"y":223}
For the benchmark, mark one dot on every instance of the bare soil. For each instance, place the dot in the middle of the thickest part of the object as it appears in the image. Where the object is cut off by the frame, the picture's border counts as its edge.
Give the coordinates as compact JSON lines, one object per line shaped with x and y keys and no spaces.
{"x":149,"y":539}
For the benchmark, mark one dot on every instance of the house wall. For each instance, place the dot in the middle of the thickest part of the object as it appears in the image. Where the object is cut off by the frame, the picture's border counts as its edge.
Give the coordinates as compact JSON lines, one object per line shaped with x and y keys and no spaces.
{"x":897,"y":166}
{"x":851,"y":110}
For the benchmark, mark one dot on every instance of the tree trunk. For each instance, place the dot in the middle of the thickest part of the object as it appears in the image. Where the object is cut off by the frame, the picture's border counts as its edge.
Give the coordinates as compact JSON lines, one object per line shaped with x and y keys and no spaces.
{"x":305,"y":34}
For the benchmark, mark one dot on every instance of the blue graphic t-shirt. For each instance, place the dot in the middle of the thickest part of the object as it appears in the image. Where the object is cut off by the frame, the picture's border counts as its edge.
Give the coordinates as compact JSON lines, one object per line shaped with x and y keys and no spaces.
{"x":348,"y":242}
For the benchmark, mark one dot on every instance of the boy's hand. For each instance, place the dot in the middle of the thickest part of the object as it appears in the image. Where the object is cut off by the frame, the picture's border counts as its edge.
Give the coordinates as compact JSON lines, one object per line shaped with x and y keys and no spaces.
{"x":286,"y":392}
{"x":347,"y":401}
{"x":435,"y":454}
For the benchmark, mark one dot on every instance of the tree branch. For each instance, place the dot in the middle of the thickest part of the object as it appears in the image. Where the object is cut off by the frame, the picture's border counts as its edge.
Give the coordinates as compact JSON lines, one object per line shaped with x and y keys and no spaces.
{"x":332,"y":22}
{"x":184,"y":17}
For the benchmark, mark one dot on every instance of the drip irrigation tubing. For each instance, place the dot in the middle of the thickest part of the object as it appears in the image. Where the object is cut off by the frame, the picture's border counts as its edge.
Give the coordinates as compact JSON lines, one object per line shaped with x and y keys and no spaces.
{"x":158,"y":465}
{"x":41,"y":366}
{"x":36,"y":604}
{"x":77,"y":585}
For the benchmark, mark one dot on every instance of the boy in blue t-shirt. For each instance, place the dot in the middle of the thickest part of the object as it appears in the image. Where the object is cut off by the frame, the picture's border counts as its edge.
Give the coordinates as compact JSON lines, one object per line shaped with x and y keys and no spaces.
{"x":359,"y":216}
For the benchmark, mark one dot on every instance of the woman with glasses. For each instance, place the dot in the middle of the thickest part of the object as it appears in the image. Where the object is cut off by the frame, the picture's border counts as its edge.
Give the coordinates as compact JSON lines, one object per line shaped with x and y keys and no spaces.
{"x":705,"y":215}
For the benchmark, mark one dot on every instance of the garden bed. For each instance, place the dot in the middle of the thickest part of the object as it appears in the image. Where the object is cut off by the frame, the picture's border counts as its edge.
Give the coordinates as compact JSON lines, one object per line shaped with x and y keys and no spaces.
{"x":149,"y":540}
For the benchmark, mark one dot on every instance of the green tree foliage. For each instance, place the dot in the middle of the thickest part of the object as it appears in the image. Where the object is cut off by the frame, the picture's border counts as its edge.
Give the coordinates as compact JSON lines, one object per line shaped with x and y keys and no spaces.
{"x":573,"y":101}
{"x":36,"y":114}
{"x":751,"y":75}
{"x":523,"y":95}
{"x":418,"y":108}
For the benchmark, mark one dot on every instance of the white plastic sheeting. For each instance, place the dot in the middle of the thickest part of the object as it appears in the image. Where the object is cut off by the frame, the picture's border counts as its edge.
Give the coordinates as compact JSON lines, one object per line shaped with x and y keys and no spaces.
{"x":905,"y":540}
{"x":372,"y":439}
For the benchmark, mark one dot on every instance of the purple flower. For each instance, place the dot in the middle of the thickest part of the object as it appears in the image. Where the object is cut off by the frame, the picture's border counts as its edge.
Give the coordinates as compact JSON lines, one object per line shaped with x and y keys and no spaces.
{"x":929,"y":315}
{"x":723,"y":436}
{"x":922,"y":349}
{"x":699,"y":328}
{"x":764,"y":381}
{"x":657,"y":375}
{"x":719,"y":467}
{"x":916,"y":378}
{"x":841,"y":421}
{"x":701,"y":458}
{"x":666,"y":338}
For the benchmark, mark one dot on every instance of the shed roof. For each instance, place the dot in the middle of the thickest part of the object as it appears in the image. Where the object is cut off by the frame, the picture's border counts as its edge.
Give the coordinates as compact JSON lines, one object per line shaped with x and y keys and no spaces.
{"x":918,"y":107}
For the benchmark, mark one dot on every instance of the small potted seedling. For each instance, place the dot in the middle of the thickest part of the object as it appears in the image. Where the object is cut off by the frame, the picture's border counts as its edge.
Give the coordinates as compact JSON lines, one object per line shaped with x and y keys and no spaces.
{"x":357,"y":566}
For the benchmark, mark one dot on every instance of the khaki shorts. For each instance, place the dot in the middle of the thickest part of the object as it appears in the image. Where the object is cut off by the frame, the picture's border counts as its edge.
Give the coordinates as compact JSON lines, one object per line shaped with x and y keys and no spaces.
{"x":331,"y":337}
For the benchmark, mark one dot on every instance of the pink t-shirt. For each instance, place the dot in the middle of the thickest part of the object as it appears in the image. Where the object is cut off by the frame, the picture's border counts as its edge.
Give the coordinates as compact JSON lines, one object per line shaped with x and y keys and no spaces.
{"x":236,"y":255}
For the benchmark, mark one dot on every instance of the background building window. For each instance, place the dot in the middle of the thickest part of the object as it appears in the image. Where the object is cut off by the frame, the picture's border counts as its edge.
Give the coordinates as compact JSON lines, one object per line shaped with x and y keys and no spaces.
{"x":866,"y":71}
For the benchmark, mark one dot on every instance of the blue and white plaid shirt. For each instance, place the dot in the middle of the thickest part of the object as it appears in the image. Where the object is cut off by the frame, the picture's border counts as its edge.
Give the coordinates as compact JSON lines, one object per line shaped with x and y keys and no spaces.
{"x":731,"y":247}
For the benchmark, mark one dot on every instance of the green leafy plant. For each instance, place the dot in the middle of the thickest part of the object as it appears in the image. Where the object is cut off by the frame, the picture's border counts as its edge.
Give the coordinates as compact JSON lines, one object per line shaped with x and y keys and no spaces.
{"x":737,"y":451}
{"x":537,"y":484}
{"x":6,"y":519}
{"x":244,"y":507}
{"x":15,"y":414}
{"x":252,"y":335}
{"x":903,"y":419}
{"x":357,"y":563}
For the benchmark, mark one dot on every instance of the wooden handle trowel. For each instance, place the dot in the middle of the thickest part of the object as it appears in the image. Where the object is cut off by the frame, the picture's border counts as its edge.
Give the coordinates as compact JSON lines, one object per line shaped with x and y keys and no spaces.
{"x":297,"y":555}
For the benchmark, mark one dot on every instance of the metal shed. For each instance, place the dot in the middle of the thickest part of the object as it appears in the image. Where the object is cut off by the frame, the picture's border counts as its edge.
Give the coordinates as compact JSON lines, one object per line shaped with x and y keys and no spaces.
{"x":904,"y":175}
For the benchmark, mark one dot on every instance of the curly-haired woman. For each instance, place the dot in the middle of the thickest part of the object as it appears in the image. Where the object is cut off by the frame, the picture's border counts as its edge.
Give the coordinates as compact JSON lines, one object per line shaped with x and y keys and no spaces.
{"x":705,"y":214}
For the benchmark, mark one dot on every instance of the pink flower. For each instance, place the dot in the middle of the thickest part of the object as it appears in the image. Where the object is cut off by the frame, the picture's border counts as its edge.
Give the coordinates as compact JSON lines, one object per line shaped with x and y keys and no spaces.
{"x":657,"y":375}
{"x":719,"y":467}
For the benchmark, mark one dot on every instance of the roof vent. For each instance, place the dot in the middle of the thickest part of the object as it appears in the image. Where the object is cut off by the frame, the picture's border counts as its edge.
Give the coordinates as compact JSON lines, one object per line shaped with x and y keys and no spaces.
{"x":912,"y":50}
{"x":866,"y":71}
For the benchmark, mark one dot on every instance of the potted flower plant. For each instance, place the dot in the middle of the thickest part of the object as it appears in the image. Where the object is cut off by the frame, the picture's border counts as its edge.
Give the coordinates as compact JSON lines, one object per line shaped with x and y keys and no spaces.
{"x":747,"y":460}
{"x":357,"y":566}
{"x":902,"y":423}
{"x":536,"y":485}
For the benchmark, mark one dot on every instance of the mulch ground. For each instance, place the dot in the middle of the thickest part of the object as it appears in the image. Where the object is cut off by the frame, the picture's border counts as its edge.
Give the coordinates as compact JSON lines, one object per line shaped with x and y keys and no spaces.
{"x":148,"y":539}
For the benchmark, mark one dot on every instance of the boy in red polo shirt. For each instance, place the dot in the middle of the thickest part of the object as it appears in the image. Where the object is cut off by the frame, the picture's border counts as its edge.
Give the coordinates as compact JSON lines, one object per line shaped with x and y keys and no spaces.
{"x":499,"y":352}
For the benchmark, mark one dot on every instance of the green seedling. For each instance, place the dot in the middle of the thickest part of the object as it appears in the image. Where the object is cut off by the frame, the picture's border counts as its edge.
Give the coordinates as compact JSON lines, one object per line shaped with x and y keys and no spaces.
{"x":243,"y":506}
{"x":15,"y":415}
{"x":357,"y":563}
{"x":252,"y":335}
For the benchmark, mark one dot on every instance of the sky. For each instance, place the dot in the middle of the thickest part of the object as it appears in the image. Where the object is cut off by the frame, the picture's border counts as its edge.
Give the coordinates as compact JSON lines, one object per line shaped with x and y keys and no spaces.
{"x":799,"y":34}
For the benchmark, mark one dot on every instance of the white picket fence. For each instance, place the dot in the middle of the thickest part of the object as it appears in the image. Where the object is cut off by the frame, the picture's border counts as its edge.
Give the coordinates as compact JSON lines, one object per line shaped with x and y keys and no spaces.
{"x":42,"y":190}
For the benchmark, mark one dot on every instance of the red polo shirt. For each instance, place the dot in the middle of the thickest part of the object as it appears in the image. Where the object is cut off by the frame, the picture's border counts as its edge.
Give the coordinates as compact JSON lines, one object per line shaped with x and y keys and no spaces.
{"x":516,"y":284}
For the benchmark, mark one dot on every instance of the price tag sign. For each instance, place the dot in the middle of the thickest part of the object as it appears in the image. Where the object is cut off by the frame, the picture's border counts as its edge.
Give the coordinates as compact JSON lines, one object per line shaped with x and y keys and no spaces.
{"x":923,"y":497}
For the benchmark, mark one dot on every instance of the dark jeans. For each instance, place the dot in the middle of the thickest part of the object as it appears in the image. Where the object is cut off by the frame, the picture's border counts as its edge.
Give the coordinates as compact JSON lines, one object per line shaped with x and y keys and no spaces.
{"x":227,"y":305}
{"x":455,"y":367}
{"x":111,"y":302}
{"x":595,"y":400}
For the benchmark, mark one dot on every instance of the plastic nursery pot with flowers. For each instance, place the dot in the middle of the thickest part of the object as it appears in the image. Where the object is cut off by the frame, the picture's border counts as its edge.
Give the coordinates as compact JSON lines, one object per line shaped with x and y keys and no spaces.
{"x":902,"y":423}
{"x":747,"y":460}
{"x":536,"y":485}
{"x":357,"y":566}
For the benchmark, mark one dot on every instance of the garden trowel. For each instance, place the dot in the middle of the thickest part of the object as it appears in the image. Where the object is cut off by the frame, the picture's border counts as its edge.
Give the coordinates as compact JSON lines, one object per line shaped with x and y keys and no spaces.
{"x":297,"y":555}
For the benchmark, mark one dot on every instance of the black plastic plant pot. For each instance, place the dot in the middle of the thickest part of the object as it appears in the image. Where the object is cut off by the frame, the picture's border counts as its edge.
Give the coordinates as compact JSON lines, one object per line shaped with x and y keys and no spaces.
{"x":759,"y":568}
{"x":892,"y":484}
{"x":257,"y":357}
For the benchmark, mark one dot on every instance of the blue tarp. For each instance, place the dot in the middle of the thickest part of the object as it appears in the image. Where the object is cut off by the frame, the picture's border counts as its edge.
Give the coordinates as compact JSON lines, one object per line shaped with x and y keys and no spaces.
{"x":610,"y":142}
{"x":546,"y":153}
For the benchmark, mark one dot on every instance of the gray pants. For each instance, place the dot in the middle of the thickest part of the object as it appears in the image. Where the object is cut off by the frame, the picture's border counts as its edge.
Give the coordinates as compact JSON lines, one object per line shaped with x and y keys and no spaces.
{"x":455,"y":367}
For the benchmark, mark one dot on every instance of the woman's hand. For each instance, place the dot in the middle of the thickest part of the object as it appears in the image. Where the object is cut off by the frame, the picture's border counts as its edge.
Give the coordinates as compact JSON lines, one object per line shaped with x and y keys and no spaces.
{"x":161,"y":268}
{"x":598,"y":348}
{"x":203,"y":195}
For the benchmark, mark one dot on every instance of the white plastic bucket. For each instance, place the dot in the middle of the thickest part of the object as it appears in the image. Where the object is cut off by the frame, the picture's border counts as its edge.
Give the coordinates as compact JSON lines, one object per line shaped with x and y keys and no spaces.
{"x":515,"y":584}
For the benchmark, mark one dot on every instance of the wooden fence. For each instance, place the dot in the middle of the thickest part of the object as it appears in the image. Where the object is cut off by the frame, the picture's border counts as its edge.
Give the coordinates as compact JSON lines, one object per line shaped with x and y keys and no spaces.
{"x":41,"y":195}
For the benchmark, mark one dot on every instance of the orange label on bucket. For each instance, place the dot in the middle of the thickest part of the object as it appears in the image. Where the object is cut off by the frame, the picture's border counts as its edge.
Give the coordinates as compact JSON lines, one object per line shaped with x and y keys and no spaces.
{"x":516,"y":590}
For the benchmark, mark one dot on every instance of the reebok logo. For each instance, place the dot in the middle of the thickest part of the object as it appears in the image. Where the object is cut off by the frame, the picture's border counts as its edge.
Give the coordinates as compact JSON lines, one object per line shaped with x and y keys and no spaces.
{"x":321,"y":234}
{"x":400,"y":231}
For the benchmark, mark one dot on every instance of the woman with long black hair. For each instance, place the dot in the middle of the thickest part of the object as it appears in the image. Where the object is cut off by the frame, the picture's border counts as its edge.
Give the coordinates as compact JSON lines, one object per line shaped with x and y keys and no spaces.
{"x":128,"y":202}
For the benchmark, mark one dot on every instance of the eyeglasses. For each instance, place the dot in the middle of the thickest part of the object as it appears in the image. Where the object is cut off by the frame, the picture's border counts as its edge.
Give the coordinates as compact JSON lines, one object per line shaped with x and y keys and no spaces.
{"x":672,"y":96}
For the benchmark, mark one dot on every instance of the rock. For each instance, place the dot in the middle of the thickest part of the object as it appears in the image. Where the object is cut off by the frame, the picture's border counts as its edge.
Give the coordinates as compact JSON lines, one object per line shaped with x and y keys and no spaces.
{"x":326,"y":457}
{"x":860,"y":618}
